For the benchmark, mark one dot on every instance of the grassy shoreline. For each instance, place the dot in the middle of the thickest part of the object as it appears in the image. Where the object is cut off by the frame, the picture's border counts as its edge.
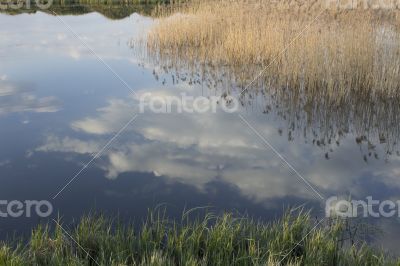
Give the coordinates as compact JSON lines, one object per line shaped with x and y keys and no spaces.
{"x":295,"y":239}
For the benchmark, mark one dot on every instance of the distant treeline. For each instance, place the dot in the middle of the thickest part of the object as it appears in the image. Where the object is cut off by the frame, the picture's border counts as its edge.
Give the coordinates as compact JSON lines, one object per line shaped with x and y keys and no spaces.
{"x":113,"y":9}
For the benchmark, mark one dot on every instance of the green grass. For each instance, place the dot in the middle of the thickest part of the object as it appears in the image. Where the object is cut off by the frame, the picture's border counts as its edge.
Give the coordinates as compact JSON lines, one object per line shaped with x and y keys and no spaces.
{"x":209,"y":240}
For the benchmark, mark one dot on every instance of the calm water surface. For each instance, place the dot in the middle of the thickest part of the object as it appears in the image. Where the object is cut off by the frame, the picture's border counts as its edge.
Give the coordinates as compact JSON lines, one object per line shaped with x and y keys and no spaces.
{"x":59,"y":106}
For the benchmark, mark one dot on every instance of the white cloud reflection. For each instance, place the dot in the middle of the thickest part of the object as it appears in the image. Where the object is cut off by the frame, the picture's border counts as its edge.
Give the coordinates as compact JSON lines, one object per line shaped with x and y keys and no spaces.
{"x":67,"y":144}
{"x":196,"y":149}
{"x":45,"y":34}
{"x":16,"y":99}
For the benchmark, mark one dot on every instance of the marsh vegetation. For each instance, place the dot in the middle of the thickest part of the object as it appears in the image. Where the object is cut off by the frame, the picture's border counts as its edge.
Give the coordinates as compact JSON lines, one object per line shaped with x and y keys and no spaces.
{"x":326,"y":71}
{"x":304,"y":47}
{"x":209,"y":239}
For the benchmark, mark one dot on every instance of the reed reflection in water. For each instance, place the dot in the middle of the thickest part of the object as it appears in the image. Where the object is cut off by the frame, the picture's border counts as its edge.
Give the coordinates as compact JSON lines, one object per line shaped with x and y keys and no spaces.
{"x":326,"y":71}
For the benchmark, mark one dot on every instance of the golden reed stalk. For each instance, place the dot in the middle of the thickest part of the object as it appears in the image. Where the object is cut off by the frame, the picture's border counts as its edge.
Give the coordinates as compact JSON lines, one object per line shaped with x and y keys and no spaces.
{"x":306,"y":45}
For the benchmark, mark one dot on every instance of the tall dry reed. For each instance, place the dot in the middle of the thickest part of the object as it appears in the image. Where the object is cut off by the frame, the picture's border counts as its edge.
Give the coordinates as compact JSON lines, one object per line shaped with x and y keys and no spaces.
{"x":304,"y":46}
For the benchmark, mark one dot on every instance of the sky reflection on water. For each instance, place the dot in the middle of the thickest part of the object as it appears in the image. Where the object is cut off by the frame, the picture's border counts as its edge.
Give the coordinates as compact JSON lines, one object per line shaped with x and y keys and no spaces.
{"x":59,"y":106}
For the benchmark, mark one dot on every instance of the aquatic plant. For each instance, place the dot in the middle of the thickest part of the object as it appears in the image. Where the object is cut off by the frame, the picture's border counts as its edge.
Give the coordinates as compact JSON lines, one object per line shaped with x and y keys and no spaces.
{"x":224,"y":239}
{"x":328,"y":72}
{"x":301,"y":45}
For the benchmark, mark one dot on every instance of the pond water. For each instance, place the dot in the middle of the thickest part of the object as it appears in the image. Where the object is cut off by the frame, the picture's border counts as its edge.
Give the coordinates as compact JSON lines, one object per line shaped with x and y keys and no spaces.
{"x":64,"y":100}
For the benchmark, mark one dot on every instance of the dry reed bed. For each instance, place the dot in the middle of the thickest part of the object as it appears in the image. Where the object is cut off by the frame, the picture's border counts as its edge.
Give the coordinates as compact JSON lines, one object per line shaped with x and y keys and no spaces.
{"x":341,"y":75}
{"x":303,"y":46}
